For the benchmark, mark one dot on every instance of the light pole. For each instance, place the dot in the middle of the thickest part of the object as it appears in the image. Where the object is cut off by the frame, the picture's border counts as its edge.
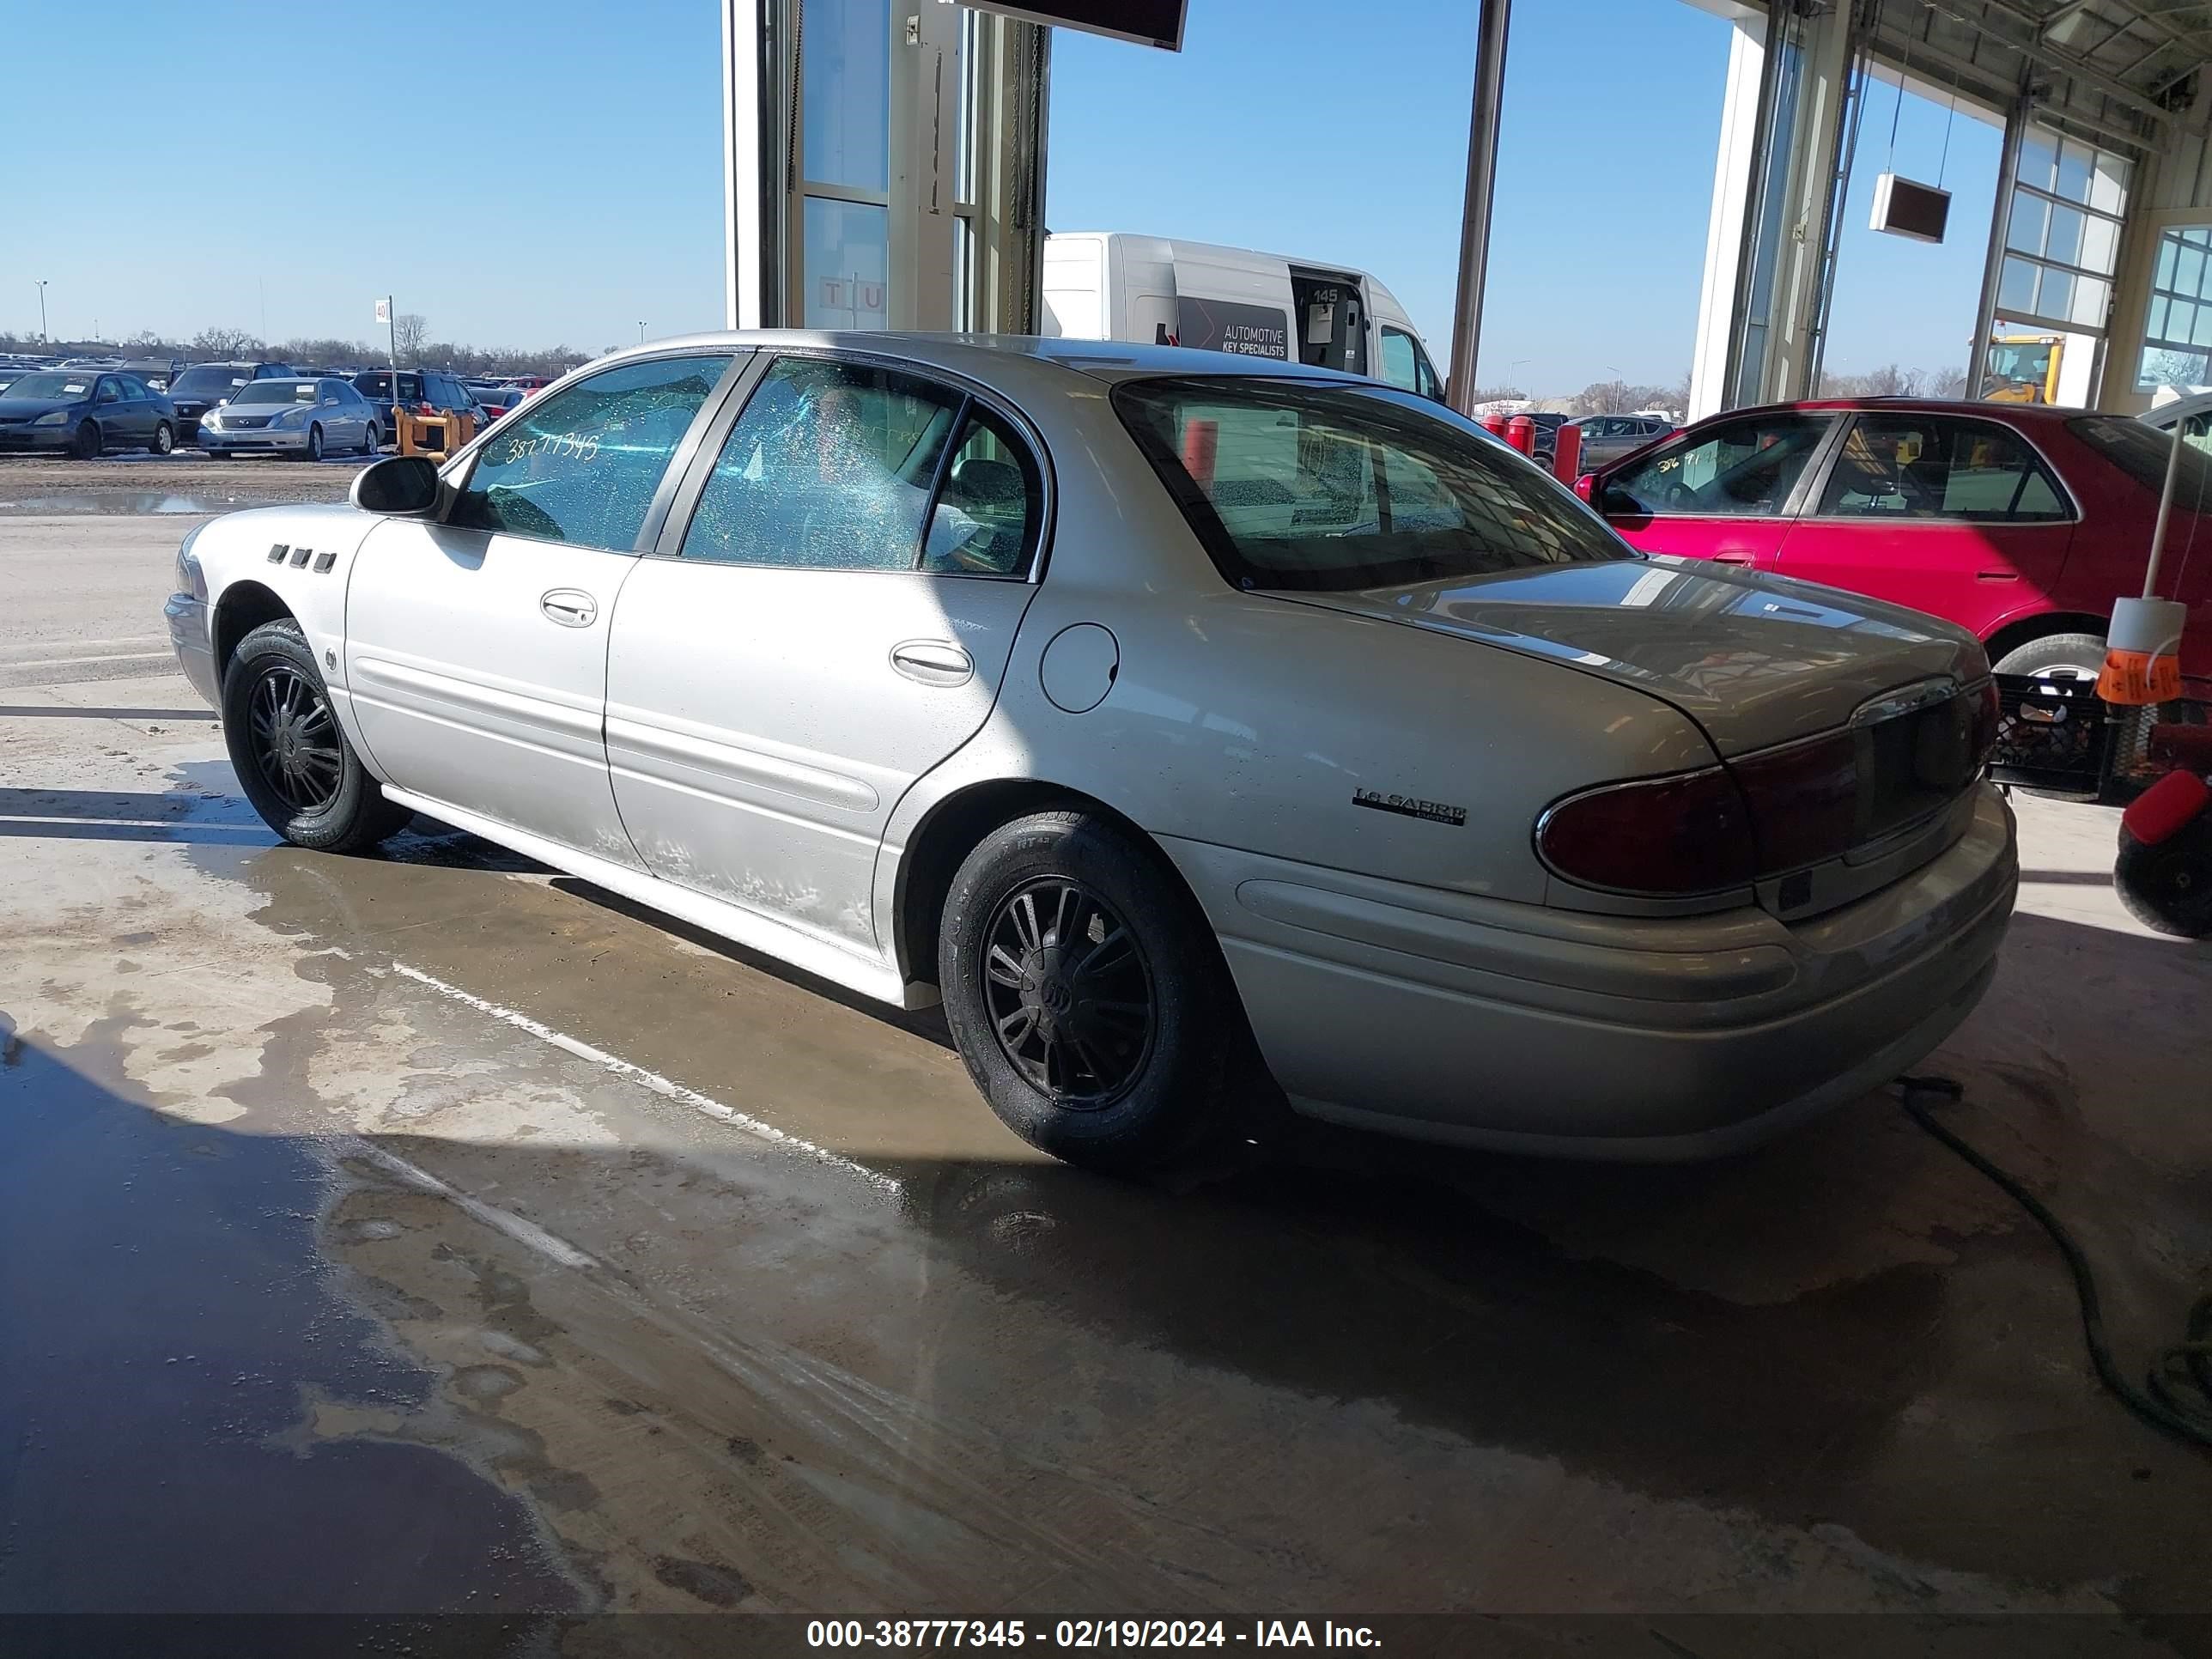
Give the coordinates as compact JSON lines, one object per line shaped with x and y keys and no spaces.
{"x":1513,"y":372}
{"x":44,"y":338}
{"x":641,"y":333}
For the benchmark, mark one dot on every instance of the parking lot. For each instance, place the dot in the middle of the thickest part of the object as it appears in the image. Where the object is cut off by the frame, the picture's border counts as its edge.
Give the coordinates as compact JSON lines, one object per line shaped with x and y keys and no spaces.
{"x":638,"y":1272}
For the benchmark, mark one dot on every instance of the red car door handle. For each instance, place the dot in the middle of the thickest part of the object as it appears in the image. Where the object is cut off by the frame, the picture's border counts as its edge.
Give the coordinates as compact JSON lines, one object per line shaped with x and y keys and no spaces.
{"x":1732,"y":558}
{"x":1996,"y":575}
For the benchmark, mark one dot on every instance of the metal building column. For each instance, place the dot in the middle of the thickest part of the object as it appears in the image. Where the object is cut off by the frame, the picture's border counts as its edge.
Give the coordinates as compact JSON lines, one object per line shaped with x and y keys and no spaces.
{"x":1985,"y":309}
{"x":756,"y":96}
{"x":1773,"y":189}
{"x":904,"y":137}
{"x":999,"y":265}
{"x":1492,"y":33}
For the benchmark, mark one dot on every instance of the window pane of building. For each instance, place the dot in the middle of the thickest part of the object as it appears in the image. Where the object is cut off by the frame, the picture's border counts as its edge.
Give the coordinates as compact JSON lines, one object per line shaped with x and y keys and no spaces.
{"x":2031,"y":218}
{"x":845,"y":82}
{"x":2075,"y":165}
{"x":2064,"y":241}
{"x":2038,"y":158}
{"x":2016,"y":288}
{"x":847,"y":260}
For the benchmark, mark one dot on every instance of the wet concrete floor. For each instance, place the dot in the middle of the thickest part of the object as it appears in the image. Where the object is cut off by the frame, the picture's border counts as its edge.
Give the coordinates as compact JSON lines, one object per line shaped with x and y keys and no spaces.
{"x":571,"y":1261}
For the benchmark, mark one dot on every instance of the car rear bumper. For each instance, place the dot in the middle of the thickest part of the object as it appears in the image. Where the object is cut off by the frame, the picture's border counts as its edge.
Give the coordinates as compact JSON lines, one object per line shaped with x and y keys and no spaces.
{"x":1447,"y":1017}
{"x":188,"y":636}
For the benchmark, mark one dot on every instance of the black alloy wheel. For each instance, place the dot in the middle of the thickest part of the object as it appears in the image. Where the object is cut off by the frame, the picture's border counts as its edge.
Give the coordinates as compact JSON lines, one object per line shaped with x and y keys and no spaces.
{"x":86,"y":446}
{"x":314,"y":443}
{"x":1069,"y":993}
{"x":294,"y":740}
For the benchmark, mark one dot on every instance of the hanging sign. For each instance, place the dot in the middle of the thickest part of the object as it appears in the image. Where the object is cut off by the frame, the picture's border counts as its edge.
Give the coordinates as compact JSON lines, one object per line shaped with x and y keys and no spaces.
{"x":1905,"y":209}
{"x":1148,"y":22}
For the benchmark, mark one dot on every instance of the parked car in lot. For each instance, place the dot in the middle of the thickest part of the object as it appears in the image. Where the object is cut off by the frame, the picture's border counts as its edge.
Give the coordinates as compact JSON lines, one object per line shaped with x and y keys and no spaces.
{"x":498,"y":399}
{"x":1194,"y":727}
{"x":1606,"y":438}
{"x":2020,"y":523}
{"x":85,"y":413}
{"x":204,"y":387}
{"x":427,"y":391}
{"x":303,"y":418}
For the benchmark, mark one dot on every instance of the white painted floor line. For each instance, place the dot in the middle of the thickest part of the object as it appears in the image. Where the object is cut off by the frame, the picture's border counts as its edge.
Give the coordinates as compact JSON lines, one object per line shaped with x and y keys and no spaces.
{"x":72,"y":662}
{"x":667,"y":1087}
{"x":87,"y":645}
{"x":528,"y":1234}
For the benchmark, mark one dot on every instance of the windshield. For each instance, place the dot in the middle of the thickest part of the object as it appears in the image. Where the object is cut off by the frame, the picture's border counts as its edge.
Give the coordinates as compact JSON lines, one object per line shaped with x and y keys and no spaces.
{"x":278,"y":391}
{"x":1309,"y":485}
{"x":377,"y":383}
{"x":2141,"y":451}
{"x":51,"y":385}
{"x":2021,"y":362}
{"x":211,"y":380}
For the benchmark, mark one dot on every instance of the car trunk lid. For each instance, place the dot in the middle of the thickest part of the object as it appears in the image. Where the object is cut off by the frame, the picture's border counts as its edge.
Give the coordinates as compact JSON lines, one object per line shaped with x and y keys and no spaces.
{"x":1756,"y":661}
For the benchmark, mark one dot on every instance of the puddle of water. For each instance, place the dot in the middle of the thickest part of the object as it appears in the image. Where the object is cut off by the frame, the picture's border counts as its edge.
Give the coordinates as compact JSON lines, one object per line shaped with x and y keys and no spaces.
{"x":169,"y":1318}
{"x":134,"y":502}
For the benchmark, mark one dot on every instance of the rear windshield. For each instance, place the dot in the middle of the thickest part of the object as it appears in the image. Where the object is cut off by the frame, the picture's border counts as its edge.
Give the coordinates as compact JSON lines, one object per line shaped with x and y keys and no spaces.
{"x":1320,"y":487}
{"x":2140,"y":450}
{"x":377,"y":383}
{"x":206,"y":380}
{"x":278,"y":391}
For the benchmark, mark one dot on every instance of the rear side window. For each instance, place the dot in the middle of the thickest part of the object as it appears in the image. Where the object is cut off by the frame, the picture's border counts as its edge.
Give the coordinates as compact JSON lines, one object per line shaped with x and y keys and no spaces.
{"x":1306,"y":485}
{"x":849,"y":466}
{"x":583,"y":467}
{"x":2140,"y":450}
{"x":1896,"y":467}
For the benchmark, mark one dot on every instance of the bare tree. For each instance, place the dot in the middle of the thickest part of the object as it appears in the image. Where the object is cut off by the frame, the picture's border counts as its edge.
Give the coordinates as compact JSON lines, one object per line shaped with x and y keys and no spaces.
{"x":225,"y":342}
{"x":409,"y":329}
{"x":1946,"y":383}
{"x":1499,"y":394}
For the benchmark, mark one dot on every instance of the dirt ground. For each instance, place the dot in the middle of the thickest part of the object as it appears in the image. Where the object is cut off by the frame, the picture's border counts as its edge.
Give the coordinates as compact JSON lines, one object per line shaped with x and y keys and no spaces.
{"x":187,"y":482}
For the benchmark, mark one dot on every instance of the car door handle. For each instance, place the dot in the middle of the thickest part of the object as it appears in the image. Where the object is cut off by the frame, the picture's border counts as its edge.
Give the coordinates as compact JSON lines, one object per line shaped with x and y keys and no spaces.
{"x":1733,"y":558}
{"x":569,"y":606}
{"x":932,"y":662}
{"x":1996,"y":575}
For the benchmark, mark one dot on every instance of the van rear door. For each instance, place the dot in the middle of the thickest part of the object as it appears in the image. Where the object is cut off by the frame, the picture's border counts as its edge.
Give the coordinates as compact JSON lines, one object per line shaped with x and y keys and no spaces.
{"x":1331,"y":310}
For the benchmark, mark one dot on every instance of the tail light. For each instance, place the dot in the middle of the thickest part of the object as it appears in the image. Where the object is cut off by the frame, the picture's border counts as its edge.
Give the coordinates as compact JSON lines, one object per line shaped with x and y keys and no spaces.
{"x":1690,"y":833}
{"x":1779,"y":810}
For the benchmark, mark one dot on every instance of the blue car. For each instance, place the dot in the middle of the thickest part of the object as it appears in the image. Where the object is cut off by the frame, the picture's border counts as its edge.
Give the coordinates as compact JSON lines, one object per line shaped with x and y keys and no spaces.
{"x":86,"y":412}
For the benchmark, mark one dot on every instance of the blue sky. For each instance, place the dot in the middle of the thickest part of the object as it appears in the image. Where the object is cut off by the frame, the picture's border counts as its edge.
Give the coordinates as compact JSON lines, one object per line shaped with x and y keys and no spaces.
{"x":587,"y":197}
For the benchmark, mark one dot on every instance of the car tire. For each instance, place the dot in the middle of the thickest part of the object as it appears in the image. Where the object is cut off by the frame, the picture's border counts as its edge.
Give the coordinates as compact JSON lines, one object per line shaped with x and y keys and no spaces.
{"x":86,"y":444}
{"x":2056,"y":656}
{"x":372,"y":440}
{"x":313,"y":452}
{"x":164,"y":439}
{"x":1128,"y":1064}
{"x":217,"y":454}
{"x":311,"y":787}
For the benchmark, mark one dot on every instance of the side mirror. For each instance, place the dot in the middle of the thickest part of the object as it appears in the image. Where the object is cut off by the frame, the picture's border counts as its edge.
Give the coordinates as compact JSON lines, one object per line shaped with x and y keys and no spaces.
{"x":1586,"y":486}
{"x":398,"y":484}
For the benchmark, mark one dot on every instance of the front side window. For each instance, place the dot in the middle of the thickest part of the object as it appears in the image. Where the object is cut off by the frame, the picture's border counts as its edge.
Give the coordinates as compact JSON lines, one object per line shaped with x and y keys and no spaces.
{"x":1398,"y":360}
{"x":1739,"y":468}
{"x":1308,"y":485}
{"x":832,"y":467}
{"x":1898,"y":467}
{"x":109,"y":393}
{"x":583,"y":467}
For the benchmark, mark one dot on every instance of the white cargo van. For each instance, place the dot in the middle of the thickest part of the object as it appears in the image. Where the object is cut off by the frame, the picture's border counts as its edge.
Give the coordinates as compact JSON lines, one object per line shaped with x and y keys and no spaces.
{"x":1116,"y":285}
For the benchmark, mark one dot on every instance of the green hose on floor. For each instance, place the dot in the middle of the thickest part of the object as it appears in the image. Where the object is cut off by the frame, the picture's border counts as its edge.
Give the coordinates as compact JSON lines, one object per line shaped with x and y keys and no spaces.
{"x":2176,"y":1394}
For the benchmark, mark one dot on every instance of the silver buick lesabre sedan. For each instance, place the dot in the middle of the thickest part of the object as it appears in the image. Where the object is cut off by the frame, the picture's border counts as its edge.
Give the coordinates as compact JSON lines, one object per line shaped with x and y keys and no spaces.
{"x":1203,"y":732}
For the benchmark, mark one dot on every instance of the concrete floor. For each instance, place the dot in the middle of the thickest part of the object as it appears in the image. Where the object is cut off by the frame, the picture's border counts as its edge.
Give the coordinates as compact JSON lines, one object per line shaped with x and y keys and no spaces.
{"x":427,"y":1231}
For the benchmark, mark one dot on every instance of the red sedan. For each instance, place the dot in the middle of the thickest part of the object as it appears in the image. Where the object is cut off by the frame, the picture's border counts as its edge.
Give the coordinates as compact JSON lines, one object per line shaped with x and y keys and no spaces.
{"x":2023,"y":524}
